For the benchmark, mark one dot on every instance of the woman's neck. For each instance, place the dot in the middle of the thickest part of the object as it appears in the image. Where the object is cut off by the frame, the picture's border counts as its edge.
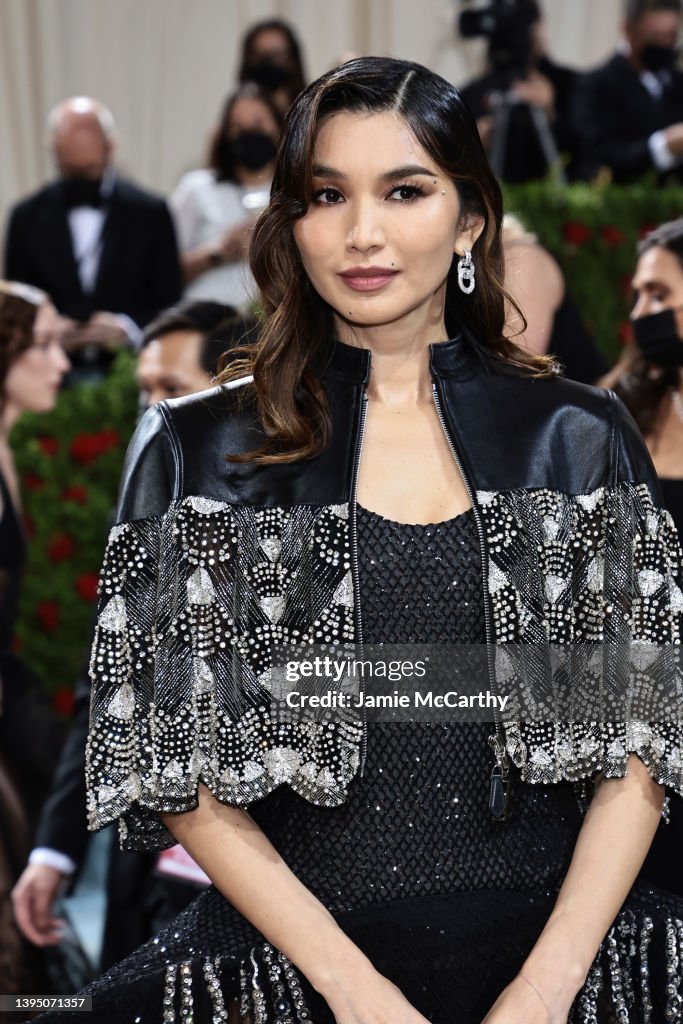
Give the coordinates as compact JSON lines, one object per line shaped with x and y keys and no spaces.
{"x":8,"y":417}
{"x":399,"y":369}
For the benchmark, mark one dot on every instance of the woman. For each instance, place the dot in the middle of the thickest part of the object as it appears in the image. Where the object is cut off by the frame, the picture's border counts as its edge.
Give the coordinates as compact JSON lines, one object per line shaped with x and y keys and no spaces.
{"x":535,"y":281}
{"x":215,"y":208}
{"x":648,"y":379}
{"x":375,"y":482}
{"x":271,"y":57}
{"x":648,"y":376}
{"x":32,"y":364}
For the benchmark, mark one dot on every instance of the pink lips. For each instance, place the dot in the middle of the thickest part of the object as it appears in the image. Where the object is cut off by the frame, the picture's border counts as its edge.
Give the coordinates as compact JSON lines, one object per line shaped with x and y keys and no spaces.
{"x":367,"y":279}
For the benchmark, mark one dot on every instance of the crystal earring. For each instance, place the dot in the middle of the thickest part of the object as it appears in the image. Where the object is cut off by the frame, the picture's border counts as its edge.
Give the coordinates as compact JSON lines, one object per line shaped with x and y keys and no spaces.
{"x":466,"y":280}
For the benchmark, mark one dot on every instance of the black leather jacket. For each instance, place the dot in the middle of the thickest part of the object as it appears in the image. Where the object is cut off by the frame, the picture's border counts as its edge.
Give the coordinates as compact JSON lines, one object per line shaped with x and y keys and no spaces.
{"x":212,"y":563}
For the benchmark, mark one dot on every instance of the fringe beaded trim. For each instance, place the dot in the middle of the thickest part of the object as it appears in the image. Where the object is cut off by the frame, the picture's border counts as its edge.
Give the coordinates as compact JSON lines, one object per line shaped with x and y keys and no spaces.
{"x":270,"y":990}
{"x":620,"y":977}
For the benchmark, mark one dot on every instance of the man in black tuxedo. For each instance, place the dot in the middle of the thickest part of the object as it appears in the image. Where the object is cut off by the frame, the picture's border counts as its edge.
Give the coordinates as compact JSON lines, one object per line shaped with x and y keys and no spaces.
{"x":180,"y":353}
{"x":102,"y":248}
{"x":628,"y":113}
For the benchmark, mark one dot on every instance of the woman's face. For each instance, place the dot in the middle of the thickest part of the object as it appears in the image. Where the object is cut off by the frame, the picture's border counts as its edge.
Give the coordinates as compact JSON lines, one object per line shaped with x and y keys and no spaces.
{"x":271,"y":44}
{"x":658,"y":284}
{"x":250,"y":114}
{"x":35,"y":375}
{"x":378,"y":238}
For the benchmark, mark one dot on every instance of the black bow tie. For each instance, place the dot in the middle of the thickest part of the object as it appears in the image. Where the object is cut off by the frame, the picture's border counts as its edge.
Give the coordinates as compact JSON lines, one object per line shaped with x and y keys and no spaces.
{"x":81,"y":192}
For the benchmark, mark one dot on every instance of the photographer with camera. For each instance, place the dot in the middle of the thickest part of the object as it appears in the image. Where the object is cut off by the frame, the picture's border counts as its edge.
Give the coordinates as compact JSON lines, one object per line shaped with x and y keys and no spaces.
{"x":629,"y":111}
{"x":523,"y":102}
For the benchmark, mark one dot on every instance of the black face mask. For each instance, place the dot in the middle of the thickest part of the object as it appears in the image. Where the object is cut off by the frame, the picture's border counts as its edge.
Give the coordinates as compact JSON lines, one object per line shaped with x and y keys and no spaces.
{"x":78,"y":191}
{"x":253,"y":150}
{"x":658,"y":58}
{"x":657,"y":338}
{"x":268,"y":75}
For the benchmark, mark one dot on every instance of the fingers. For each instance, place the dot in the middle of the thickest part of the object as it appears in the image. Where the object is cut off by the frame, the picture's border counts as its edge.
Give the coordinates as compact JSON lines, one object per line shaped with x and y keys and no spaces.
{"x":33,"y":899}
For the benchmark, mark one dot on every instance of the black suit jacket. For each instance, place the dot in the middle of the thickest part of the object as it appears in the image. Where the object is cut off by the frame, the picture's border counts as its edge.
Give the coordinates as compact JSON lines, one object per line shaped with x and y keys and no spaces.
{"x":139,"y":270}
{"x":131,"y":893}
{"x":615,"y":115}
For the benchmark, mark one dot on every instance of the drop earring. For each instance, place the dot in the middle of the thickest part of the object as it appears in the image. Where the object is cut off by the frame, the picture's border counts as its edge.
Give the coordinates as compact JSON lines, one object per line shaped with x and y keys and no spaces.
{"x":466,"y":281}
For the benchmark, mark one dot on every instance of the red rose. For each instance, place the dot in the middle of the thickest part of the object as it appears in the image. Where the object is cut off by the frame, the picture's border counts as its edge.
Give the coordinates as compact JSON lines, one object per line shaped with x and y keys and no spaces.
{"x":75,"y":493}
{"x":612,"y":235}
{"x":29,"y":526}
{"x":17,"y":643}
{"x":63,"y":700}
{"x":86,"y":586}
{"x":48,"y":445}
{"x":60,"y":548}
{"x":47,"y":613}
{"x":85,"y":448}
{"x":625,"y":333}
{"x":576,"y":233}
{"x":645,"y":230}
{"x":109,"y":439}
{"x":32,"y":482}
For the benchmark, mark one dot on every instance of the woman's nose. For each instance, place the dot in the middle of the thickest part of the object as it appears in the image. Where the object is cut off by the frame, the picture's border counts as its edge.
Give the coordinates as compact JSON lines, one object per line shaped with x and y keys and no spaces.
{"x":63,"y":361}
{"x":642,"y":307}
{"x":366,"y":231}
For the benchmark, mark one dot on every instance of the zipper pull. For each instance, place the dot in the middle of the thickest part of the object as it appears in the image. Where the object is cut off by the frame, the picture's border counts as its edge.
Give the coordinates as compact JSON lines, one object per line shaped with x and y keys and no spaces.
{"x":499,"y":784}
{"x":499,"y":793}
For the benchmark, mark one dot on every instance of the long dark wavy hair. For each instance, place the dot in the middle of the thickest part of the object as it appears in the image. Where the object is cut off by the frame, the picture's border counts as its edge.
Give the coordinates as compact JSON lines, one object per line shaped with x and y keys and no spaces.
{"x":298,"y":328}
{"x":641,"y":384}
{"x":19,"y":305}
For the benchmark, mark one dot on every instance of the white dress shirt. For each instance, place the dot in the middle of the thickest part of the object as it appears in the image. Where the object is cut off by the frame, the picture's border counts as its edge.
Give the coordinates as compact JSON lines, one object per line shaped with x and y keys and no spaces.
{"x":86,"y":225}
{"x":204,"y":210}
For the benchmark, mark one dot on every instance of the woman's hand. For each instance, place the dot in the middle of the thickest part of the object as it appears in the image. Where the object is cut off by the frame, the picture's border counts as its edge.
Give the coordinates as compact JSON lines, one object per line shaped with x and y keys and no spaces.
{"x":367,"y":997}
{"x":522,"y":1003}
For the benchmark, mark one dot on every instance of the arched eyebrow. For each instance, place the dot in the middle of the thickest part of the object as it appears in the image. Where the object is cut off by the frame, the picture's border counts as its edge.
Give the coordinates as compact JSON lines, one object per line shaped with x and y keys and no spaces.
{"x":406,"y":171}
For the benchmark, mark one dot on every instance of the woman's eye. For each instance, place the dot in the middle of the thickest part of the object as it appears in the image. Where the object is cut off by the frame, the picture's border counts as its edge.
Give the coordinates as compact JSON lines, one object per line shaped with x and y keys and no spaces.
{"x":327,"y":196}
{"x":404,"y":193}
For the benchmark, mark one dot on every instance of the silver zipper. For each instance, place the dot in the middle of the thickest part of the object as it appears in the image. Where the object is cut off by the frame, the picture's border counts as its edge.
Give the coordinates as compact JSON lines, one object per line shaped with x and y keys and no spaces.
{"x":496,"y":742}
{"x":354,"y":570}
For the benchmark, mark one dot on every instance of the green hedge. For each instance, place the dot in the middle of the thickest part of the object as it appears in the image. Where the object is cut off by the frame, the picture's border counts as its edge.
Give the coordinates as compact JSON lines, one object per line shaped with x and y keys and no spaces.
{"x":70,"y":461}
{"x":594,"y":232}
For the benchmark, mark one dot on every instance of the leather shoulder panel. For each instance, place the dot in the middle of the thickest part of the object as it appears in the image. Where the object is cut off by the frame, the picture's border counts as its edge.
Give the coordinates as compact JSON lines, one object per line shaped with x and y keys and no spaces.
{"x":519,"y":432}
{"x":209,"y":426}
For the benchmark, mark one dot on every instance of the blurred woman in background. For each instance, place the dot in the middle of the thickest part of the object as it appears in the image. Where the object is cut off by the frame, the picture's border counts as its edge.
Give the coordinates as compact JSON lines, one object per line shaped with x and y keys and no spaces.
{"x":648,"y":376}
{"x":32,"y":365}
{"x":649,"y":380}
{"x":215,"y":207}
{"x":271,"y":57}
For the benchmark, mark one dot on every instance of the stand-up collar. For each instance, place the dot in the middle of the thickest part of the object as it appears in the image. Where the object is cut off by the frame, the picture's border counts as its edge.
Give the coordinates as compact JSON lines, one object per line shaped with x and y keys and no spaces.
{"x":348,"y":363}
{"x":450,"y":358}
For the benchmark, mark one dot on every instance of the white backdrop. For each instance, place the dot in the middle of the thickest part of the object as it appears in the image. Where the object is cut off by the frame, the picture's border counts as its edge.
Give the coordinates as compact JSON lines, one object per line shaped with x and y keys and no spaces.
{"x":164,"y":66}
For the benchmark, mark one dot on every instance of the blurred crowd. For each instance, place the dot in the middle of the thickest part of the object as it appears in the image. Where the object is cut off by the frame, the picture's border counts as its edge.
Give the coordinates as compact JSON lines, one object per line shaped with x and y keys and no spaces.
{"x":93,"y":264}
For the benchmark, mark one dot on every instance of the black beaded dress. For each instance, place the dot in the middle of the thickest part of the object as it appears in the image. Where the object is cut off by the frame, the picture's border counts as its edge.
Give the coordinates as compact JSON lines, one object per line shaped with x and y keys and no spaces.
{"x":445,"y":901}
